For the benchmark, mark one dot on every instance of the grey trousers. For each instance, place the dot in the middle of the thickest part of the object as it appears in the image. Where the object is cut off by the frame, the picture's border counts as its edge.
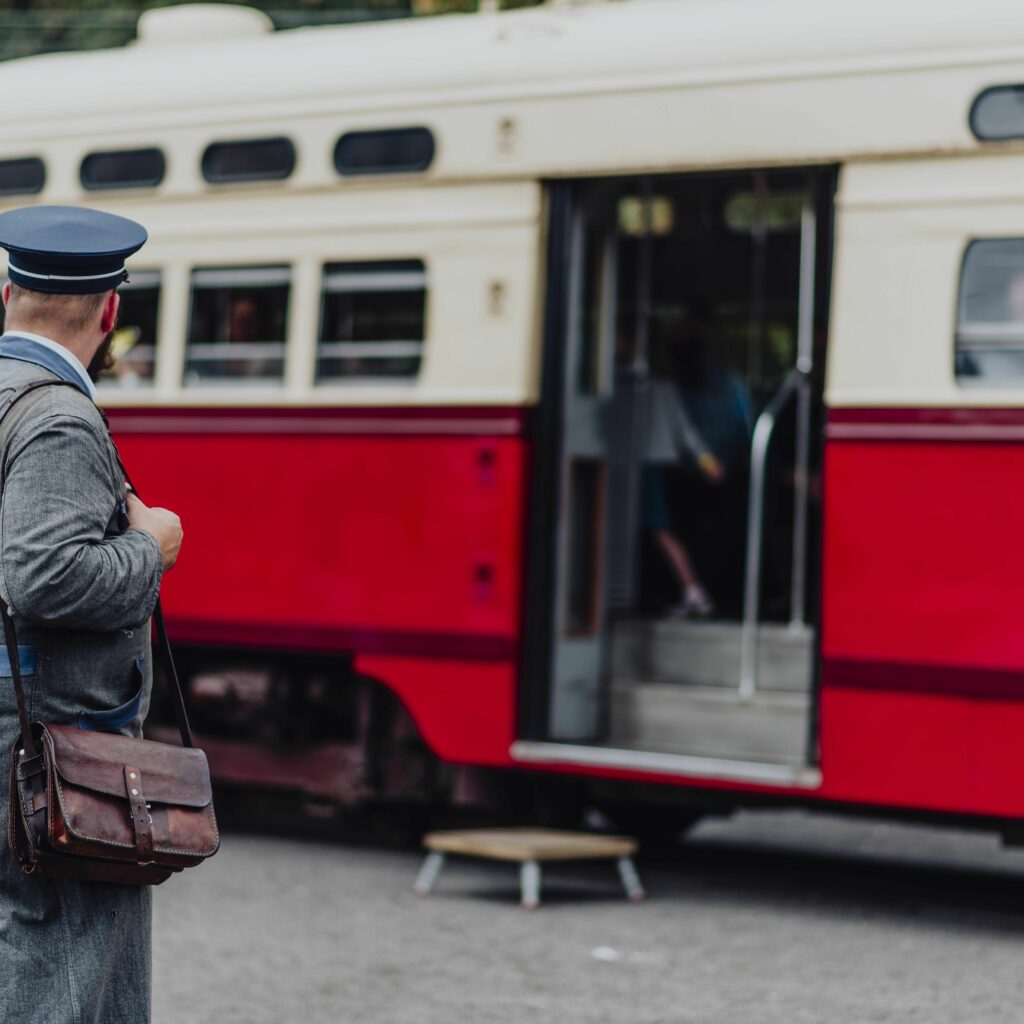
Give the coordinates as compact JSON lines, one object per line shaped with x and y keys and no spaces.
{"x":70,"y":952}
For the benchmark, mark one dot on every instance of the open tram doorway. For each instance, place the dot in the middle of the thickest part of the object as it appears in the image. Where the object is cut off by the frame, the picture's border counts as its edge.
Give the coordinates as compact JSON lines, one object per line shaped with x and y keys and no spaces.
{"x":683,"y":376}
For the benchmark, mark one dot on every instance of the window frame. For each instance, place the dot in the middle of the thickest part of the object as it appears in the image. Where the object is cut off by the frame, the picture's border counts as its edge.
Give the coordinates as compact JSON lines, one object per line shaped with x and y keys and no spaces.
{"x":977,"y":102}
{"x":360,"y":172}
{"x":241,"y":144}
{"x":138,"y":183}
{"x":968,"y":382}
{"x":219,"y":277}
{"x":370,"y":349}
{"x":39,"y":162}
{"x":151,"y":277}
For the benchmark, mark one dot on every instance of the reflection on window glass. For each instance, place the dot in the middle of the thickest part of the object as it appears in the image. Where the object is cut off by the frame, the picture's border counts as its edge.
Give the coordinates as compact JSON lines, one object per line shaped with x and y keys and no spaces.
{"x":646,"y":215}
{"x":598,"y":268}
{"x":134,"y":343}
{"x":749,"y":211}
{"x":372,"y":320}
{"x":586,"y":488}
{"x":238,"y":324}
{"x":990,"y":322}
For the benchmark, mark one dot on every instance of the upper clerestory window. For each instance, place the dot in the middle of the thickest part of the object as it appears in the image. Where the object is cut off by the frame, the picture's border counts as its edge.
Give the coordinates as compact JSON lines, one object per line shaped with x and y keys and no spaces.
{"x":249,"y":160}
{"x":129,"y":168}
{"x":998,"y":114}
{"x":23,"y":177}
{"x":388,"y":151}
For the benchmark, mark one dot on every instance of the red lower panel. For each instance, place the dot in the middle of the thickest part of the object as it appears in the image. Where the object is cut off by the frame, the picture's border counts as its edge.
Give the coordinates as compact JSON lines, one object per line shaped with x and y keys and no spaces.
{"x":923,"y":556}
{"x":465,"y":712}
{"x":923,"y":751}
{"x":923,"y":607}
{"x":386,"y":542}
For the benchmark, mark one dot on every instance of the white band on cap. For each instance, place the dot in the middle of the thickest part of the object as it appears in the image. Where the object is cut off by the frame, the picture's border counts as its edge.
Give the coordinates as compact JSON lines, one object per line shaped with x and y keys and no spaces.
{"x":64,"y":277}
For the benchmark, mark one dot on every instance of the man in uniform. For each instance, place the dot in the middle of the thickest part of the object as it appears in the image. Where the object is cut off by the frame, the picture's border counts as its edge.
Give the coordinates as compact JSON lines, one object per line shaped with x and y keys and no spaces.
{"x":81,"y":561}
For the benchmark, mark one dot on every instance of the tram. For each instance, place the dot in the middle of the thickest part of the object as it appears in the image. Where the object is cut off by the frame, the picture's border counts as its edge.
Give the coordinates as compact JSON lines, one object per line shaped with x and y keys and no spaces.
{"x":396,"y":346}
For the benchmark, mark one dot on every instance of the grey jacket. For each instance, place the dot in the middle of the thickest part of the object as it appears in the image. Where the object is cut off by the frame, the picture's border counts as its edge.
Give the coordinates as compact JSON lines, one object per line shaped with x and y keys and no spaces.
{"x":82,"y":588}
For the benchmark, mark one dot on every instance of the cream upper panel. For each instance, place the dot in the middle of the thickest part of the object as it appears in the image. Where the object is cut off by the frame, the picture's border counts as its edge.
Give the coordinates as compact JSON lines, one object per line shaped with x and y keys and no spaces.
{"x":480,"y":246}
{"x":902,"y":230}
{"x":649,"y":84}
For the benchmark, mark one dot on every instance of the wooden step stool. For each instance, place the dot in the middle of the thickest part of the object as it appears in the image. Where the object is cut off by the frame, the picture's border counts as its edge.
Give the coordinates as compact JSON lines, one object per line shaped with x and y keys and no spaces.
{"x":529,"y":847}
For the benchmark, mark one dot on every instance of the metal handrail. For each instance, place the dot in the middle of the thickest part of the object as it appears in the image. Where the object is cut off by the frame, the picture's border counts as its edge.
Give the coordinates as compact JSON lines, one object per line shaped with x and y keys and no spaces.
{"x":763,"y":431}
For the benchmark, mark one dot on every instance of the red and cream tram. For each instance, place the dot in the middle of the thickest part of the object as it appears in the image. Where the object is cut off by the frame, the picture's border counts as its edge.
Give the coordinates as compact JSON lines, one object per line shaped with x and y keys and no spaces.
{"x":395,"y":348}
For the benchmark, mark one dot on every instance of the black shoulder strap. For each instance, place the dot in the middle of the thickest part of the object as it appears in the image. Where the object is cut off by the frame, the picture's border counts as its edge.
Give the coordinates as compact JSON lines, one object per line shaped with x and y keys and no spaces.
{"x":10,"y":637}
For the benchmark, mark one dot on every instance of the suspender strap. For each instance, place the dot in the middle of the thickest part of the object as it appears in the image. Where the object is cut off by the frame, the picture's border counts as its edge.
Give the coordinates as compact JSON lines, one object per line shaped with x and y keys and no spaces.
{"x":28,"y":744}
{"x":162,"y":646}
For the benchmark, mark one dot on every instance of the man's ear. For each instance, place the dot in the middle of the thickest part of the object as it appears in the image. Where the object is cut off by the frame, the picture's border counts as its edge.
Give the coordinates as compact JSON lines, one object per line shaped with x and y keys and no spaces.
{"x":7,"y":293}
{"x":110,"y":306}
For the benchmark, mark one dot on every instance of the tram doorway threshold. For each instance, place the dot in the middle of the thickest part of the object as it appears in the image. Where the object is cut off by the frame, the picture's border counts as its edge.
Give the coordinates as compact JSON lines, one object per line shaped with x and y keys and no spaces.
{"x":651,"y":762}
{"x":674,"y":688}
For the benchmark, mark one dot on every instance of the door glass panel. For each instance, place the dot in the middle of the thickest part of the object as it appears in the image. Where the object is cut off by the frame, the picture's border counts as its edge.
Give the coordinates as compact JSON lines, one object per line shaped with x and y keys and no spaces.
{"x":586,"y":499}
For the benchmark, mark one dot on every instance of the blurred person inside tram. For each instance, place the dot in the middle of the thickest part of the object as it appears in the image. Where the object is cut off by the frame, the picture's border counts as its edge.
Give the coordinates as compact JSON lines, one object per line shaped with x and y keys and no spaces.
{"x":710,"y":489}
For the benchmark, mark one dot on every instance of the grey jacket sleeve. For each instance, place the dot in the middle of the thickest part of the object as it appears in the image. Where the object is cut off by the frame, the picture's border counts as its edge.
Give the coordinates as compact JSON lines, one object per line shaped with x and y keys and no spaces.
{"x":60,"y":567}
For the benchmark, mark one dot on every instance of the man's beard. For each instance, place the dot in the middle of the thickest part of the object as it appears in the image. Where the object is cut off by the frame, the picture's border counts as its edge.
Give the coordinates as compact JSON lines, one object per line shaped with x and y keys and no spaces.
{"x":102,"y":361}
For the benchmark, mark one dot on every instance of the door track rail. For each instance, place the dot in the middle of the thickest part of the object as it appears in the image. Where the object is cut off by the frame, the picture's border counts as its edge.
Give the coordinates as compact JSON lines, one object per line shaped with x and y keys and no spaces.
{"x":582,"y":755}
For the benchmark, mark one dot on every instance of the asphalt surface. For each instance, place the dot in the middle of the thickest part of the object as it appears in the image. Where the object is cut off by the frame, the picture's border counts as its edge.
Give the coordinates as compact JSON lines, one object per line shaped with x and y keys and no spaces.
{"x":762,"y":918}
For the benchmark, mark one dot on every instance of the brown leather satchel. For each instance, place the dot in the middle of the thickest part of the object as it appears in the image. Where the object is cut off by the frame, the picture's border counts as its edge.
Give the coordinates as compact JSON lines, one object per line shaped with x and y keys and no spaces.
{"x":106,"y":807}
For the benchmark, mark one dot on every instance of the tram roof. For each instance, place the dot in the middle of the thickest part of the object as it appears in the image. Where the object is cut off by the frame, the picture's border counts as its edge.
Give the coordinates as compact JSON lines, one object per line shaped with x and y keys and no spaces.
{"x":581,"y":48}
{"x":556,"y":51}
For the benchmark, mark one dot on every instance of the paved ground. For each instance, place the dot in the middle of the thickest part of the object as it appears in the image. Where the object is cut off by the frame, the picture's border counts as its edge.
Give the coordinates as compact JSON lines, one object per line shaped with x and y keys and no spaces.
{"x":768,"y":918}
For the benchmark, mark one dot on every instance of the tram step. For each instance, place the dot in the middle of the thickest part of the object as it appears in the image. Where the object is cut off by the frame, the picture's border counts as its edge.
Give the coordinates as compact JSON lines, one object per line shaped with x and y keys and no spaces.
{"x":709,"y":722}
{"x":708,"y":654}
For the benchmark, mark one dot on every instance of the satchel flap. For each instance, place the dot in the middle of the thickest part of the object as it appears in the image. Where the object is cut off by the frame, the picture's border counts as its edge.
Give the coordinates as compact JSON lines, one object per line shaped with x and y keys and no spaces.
{"x":96,"y":760}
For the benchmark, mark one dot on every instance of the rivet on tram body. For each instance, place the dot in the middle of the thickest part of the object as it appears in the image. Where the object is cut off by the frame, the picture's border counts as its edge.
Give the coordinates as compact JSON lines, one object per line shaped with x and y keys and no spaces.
{"x":496,"y":298}
{"x":131,"y":775}
{"x":135,"y":792}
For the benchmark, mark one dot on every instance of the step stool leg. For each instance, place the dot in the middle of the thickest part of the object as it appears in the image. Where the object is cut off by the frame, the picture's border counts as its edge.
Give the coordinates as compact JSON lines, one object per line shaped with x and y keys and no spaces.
{"x":427,"y":877}
{"x":630,"y":879}
{"x":529,"y":884}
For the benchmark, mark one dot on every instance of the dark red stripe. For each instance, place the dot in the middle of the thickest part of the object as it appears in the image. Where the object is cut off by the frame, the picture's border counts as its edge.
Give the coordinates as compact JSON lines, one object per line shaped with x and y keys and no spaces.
{"x":457,"y":646}
{"x":926,"y":426}
{"x":948,"y":680}
{"x":1006,"y":416}
{"x":390,"y":421}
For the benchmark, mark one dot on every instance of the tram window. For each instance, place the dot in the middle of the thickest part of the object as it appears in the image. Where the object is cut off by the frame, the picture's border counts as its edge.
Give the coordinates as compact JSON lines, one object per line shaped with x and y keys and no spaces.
{"x":22,"y":177}
{"x":990,"y":318}
{"x":238,"y":324}
{"x":372,"y":320}
{"x":134,"y":343}
{"x":391,"y":151}
{"x":998,"y":113}
{"x":646,"y":215}
{"x":134,"y":168}
{"x":252,"y":160}
{"x":747,"y":211}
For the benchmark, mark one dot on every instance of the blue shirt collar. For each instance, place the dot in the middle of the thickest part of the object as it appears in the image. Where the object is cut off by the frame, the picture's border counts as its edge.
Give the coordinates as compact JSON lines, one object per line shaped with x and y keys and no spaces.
{"x":49,"y":354}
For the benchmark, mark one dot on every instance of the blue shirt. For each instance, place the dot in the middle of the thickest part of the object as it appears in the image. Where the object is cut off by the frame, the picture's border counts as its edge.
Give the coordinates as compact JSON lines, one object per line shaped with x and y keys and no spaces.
{"x":49,"y":354}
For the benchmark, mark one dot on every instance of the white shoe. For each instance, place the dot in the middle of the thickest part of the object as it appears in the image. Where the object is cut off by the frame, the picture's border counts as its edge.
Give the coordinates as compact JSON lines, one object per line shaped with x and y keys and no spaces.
{"x":695,"y":604}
